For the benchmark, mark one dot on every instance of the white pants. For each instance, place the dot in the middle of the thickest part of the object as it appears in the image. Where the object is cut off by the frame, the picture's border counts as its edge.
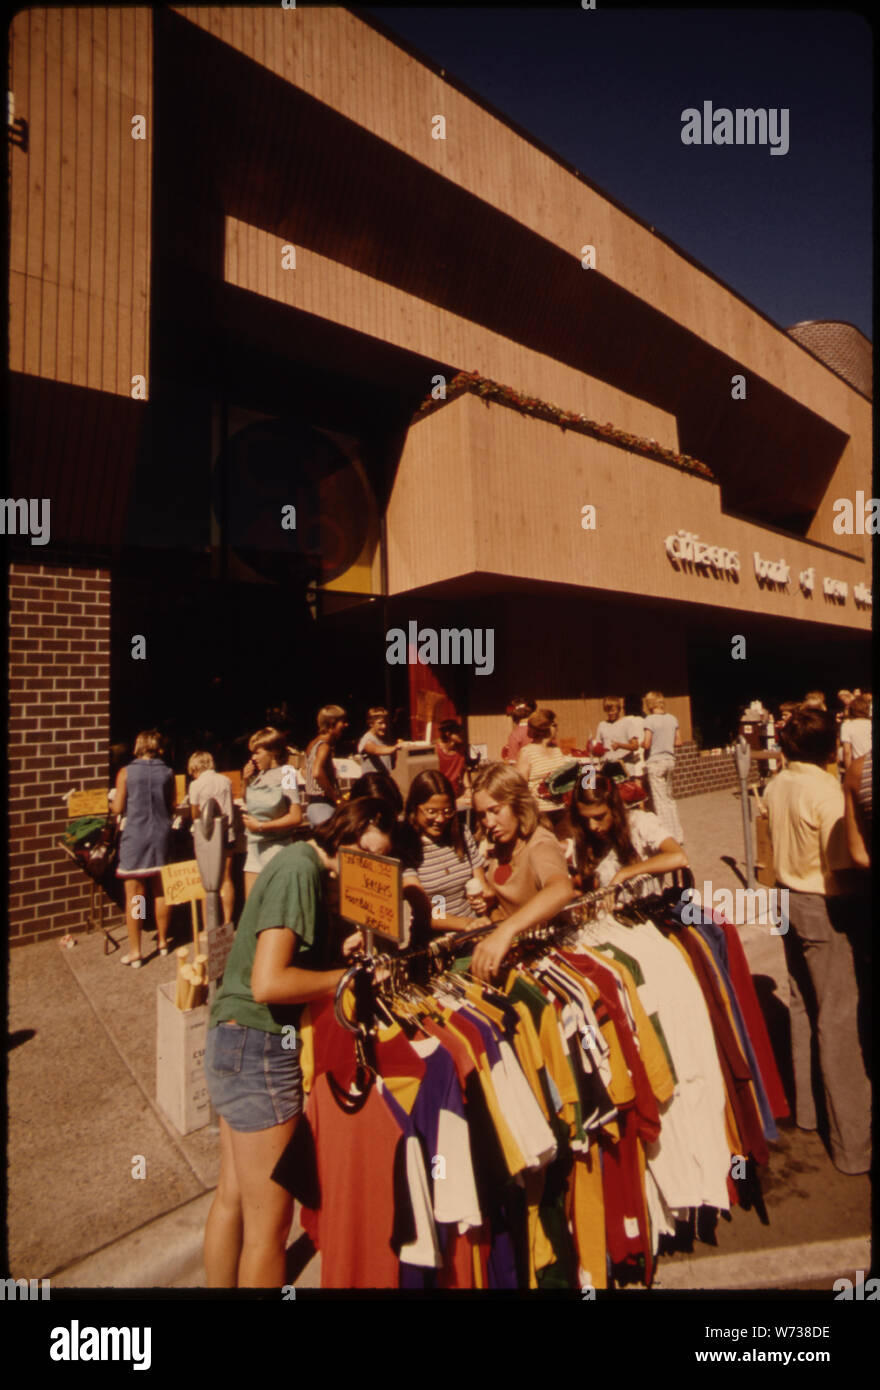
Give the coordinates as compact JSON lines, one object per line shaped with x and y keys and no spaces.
{"x":659,"y":771}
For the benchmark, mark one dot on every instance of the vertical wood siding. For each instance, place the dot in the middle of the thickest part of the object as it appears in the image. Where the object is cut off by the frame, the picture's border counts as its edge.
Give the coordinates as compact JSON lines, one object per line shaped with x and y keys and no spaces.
{"x":80,"y":196}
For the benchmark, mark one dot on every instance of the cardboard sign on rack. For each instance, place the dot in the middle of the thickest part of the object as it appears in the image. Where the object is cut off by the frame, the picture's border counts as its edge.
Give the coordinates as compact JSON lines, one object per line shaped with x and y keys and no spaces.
{"x":182,"y":883}
{"x":93,"y":803}
{"x":371,"y":892}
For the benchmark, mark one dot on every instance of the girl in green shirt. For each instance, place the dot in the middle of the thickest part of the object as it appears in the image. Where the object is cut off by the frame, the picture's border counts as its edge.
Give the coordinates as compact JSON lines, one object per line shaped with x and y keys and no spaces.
{"x":277,"y":964}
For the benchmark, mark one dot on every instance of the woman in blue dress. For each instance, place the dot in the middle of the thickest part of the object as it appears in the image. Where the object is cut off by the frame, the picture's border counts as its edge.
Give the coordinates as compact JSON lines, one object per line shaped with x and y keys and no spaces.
{"x":145,"y":797}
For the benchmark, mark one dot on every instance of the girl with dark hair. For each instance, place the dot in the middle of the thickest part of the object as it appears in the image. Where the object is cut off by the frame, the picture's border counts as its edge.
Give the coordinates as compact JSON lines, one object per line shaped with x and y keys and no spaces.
{"x":279,"y":961}
{"x":452,"y":753}
{"x":447,"y":857}
{"x":380,"y":784}
{"x":612,"y":844}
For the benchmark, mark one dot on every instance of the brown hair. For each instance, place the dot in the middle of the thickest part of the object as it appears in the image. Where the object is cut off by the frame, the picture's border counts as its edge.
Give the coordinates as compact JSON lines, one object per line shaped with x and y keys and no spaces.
{"x":270,"y":739}
{"x":348,"y":823}
{"x":432,"y":783}
{"x":859,"y":707}
{"x":328,"y":715}
{"x":377,"y":712}
{"x":540,"y":724}
{"x":521,"y":707}
{"x":504,"y":784}
{"x":380,"y":784}
{"x":149,"y":744}
{"x":809,"y":736}
{"x":589,"y":849}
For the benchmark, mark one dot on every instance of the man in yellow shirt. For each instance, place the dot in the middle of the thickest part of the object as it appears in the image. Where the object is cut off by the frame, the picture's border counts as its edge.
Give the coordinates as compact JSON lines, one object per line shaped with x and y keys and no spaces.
{"x":823,"y":942}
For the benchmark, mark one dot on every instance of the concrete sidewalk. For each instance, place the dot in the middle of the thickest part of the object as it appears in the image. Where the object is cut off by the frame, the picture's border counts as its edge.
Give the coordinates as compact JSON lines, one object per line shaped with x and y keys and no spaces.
{"x":82,"y":1108}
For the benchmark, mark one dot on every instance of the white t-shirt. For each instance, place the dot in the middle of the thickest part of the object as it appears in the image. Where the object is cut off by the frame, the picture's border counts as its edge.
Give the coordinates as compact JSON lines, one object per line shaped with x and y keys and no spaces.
{"x":857,"y":733}
{"x":647,"y":835}
{"x":627,"y":727}
{"x":213,"y":784}
{"x":607,"y":733}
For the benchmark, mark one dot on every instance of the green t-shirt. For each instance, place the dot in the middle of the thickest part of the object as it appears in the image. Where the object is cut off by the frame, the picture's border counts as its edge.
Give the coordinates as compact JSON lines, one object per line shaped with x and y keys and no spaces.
{"x":289,"y":892}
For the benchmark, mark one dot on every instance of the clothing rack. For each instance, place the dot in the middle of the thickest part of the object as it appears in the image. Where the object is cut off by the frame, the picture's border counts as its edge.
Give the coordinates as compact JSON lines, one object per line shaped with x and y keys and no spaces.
{"x":439,"y":954}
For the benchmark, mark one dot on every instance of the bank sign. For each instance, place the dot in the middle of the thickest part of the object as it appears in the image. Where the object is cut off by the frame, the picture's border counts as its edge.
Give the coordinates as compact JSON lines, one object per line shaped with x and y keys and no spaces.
{"x":688,"y":553}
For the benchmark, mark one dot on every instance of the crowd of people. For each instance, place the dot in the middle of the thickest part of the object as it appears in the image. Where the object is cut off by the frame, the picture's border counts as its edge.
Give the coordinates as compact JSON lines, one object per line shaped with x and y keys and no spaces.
{"x":534,"y":836}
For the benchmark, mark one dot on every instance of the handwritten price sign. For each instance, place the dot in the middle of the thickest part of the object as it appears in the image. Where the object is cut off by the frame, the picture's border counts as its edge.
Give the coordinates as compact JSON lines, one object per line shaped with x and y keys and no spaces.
{"x":181,"y":883}
{"x":92,"y":803}
{"x":371,"y":892}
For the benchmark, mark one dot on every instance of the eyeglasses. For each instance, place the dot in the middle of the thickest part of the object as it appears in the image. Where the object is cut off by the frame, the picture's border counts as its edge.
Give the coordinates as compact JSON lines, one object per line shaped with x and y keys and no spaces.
{"x":436,"y":815}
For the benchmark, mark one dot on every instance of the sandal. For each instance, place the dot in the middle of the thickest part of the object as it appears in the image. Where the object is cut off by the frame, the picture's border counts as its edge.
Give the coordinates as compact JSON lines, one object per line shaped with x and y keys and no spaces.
{"x":134,"y":961}
{"x":163,"y":950}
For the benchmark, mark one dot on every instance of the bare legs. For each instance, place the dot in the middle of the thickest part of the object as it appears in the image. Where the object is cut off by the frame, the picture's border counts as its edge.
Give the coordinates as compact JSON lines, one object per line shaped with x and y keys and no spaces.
{"x":227,"y":889}
{"x":163,"y":914}
{"x":135,"y":902}
{"x":250,"y":1217}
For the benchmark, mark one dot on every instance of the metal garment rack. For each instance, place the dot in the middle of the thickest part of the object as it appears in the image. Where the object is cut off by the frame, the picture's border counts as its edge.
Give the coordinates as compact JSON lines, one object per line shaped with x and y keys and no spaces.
{"x":570,"y":919}
{"x":95,"y":910}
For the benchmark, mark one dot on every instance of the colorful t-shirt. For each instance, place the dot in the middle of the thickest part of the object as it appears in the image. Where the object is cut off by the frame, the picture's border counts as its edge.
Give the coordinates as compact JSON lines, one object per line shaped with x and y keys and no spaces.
{"x":330,"y":1166}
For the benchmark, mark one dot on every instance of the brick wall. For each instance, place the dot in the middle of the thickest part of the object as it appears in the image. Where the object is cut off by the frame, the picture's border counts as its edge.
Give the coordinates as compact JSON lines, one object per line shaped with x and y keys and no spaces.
{"x":697,"y":772}
{"x":59,"y":726}
{"x":842,"y":347}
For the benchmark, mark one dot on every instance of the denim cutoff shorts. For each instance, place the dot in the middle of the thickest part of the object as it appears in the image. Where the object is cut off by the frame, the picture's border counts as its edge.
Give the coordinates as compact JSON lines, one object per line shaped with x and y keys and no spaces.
{"x":253,"y":1082}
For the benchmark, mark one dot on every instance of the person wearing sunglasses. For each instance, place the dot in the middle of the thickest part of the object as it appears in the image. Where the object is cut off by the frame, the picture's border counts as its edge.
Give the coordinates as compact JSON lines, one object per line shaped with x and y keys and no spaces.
{"x":447,"y":858}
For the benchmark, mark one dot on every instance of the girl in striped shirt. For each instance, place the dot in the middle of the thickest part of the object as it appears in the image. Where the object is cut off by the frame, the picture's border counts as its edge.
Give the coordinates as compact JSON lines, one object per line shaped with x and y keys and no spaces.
{"x":449,"y":856}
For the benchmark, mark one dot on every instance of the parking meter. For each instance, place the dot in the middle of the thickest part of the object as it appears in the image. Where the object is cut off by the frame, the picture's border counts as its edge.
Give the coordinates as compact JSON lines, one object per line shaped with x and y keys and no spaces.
{"x":743,"y":762}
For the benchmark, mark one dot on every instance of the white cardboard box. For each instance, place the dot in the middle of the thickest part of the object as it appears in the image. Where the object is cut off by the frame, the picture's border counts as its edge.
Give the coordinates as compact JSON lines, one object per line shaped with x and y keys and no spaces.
{"x":181,"y":1089}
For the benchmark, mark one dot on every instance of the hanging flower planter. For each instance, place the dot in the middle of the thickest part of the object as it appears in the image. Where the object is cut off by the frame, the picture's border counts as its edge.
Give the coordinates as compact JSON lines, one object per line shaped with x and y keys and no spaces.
{"x":489,"y":391}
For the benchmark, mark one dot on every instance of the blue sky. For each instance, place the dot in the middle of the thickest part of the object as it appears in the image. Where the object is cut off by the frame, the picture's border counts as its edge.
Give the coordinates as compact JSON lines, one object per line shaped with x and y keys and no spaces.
{"x":605,"y":89}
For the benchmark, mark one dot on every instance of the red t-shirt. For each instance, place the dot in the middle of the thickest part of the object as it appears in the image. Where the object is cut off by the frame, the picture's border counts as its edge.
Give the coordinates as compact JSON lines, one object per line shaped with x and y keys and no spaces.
{"x":330,"y":1166}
